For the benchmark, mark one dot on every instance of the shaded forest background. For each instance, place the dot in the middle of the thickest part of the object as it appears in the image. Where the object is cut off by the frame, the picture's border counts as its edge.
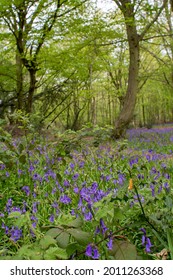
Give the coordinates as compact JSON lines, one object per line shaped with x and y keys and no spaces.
{"x":67,"y":64}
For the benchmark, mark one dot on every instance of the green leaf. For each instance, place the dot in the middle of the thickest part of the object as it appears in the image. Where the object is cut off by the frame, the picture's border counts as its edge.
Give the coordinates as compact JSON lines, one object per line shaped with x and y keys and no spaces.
{"x":15,"y":214}
{"x":104,"y":211}
{"x":118,"y":214}
{"x":55,"y":253}
{"x":59,"y":177}
{"x":63,"y":240}
{"x":80,"y":236}
{"x":21,"y":148}
{"x":22,"y":159}
{"x":23,"y":249}
{"x":47,"y":241}
{"x":123,"y":250}
{"x":76,"y":223}
{"x":54,"y":232}
{"x":21,"y":221}
{"x":72,"y":248}
{"x":31,"y":252}
{"x":169,"y":202}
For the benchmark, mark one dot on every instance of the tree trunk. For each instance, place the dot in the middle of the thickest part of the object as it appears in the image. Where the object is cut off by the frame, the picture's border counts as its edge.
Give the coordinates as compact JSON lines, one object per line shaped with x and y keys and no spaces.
{"x":32,"y":88}
{"x":127,"y":111}
{"x":19,"y":81}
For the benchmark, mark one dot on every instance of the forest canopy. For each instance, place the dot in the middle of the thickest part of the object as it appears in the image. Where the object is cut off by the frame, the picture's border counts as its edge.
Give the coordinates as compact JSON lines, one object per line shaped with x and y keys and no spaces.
{"x":72,"y":63}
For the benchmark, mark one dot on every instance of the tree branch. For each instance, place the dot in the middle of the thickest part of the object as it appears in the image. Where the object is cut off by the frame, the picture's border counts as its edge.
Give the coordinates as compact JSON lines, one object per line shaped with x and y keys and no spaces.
{"x":141,"y":36}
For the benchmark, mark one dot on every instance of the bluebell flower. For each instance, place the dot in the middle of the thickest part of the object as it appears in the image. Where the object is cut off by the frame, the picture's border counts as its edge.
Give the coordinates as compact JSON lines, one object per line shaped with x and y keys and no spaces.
{"x":54,"y":190}
{"x":6,"y":228}
{"x":15,"y":233}
{"x":54,"y":204}
{"x":75,"y":176}
{"x":16,"y":209}
{"x":52,"y":218}
{"x":20,"y":172}
{"x":76,"y":189}
{"x":148,"y":245}
{"x":96,"y":254}
{"x":92,"y":252}
{"x":88,"y":216}
{"x":31,"y":168}
{"x":81,"y":164}
{"x":34,"y":207}
{"x":65,"y":199}
{"x":8,"y":205}
{"x":152,"y":187}
{"x":37,"y":177}
{"x":2,"y":166}
{"x":71,"y":165}
{"x":110,"y":243}
{"x":7,"y":174}
{"x":146,"y":241}
{"x":94,"y":186}
{"x":103,"y":226}
{"x":88,"y":251}
{"x":72,"y":212}
{"x":66,"y":183}
{"x":26,"y":189}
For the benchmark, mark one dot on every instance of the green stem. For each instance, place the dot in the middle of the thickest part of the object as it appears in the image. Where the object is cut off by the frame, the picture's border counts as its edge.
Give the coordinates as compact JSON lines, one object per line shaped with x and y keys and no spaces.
{"x":170,"y":242}
{"x":157,"y":233}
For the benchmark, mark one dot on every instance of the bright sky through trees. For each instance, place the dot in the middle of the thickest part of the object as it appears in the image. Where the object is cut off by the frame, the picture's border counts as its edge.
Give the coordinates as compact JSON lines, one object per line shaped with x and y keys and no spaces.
{"x":106,"y":5}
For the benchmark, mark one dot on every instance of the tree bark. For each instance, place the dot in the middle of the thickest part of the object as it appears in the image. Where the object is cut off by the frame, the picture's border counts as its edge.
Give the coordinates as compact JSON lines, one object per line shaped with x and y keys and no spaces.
{"x":32,"y":88}
{"x":19,"y":81}
{"x":127,"y":111}
{"x":126,"y":114}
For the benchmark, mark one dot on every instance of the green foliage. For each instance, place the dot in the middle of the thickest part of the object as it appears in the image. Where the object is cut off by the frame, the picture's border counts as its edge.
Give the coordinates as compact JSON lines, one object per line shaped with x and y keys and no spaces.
{"x":123,"y":250}
{"x":55,"y":204}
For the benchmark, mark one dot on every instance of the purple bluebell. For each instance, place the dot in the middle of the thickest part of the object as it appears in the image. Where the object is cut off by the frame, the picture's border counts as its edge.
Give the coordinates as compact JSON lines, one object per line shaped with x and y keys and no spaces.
{"x":15,"y":233}
{"x":65,"y":199}
{"x":76,"y":189}
{"x":34,"y":207}
{"x":6,"y":228}
{"x":54,"y":190}
{"x":2,"y":166}
{"x":72,"y":212}
{"x":88,"y":251}
{"x":146,"y":241}
{"x":96,"y":254}
{"x":148,"y":245}
{"x":75,"y":176}
{"x":71,"y":165}
{"x":81,"y":164}
{"x":66,"y":183}
{"x":152,"y":187}
{"x":110,"y":243}
{"x":54,"y":205}
{"x":31,"y":168}
{"x":8,"y":205}
{"x":16,"y":209}
{"x":103,"y":226}
{"x":88,"y":216}
{"x":37,"y":177}
{"x":7,"y":174}
{"x":26,"y":189}
{"x":52,"y":218}
{"x":92,"y":252}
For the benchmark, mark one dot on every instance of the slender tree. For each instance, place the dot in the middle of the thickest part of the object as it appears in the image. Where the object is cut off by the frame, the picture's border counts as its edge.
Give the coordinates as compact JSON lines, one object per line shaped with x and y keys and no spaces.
{"x":128,"y":9}
{"x":31,"y":22}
